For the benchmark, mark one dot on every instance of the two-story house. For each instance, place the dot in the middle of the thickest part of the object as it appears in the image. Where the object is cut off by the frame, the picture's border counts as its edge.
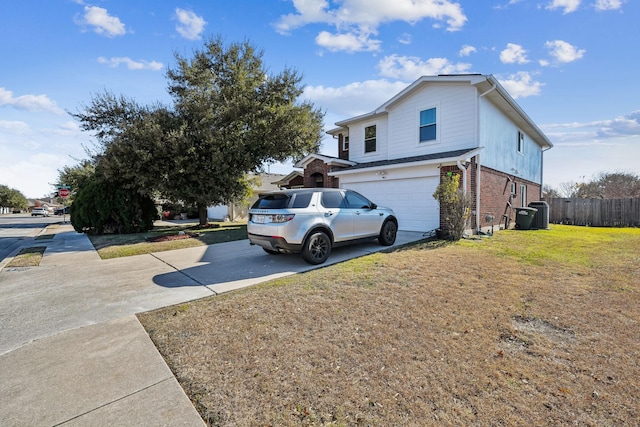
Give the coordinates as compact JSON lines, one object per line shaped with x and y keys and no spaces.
{"x":463,"y":124}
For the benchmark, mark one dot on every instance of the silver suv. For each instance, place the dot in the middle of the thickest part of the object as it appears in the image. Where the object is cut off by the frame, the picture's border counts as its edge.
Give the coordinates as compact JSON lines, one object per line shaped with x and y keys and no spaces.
{"x":311,"y":221}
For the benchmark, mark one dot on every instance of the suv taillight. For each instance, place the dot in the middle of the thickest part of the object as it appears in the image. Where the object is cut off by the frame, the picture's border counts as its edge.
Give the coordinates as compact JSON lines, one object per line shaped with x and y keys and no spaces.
{"x":281,"y":218}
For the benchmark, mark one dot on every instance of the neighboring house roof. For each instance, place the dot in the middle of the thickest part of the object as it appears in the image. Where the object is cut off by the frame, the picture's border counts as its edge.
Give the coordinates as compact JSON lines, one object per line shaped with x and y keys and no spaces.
{"x":267,"y":181}
{"x":288,"y":178}
{"x":445,"y":157}
{"x":330,"y":160}
{"x":487,"y":85}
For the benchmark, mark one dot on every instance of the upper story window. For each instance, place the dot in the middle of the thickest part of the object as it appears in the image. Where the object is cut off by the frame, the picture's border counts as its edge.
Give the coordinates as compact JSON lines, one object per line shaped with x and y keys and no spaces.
{"x":345,"y":144}
{"x":428,"y":125}
{"x":370,"y":139}
{"x":520,"y":142}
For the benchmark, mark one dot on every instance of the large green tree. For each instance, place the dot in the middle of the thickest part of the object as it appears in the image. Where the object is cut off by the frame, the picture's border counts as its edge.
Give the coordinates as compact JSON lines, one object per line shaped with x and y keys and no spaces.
{"x":229,"y":117}
{"x":234,"y":117}
{"x":12,"y":198}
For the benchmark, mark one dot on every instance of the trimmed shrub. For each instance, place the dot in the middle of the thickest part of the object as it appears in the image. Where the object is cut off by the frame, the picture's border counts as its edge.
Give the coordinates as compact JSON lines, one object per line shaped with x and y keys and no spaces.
{"x":101,"y":207}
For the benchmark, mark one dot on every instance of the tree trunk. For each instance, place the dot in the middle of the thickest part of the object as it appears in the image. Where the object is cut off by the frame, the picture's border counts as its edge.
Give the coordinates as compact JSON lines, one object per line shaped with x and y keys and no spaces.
{"x":202,"y":214}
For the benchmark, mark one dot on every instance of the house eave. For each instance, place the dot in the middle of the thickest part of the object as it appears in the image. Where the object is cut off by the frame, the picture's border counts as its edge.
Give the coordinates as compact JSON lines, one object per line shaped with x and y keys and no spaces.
{"x":444,"y":161}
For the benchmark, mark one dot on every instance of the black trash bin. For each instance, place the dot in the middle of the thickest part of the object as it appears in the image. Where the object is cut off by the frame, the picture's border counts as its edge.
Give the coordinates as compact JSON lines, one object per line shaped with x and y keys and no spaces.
{"x":524,"y":218}
{"x":541,"y":218}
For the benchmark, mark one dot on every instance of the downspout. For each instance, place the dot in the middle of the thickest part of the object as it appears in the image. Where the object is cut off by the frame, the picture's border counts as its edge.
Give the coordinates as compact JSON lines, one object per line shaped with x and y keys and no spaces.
{"x":478,"y":162}
{"x":464,"y":176}
{"x":478,"y":188}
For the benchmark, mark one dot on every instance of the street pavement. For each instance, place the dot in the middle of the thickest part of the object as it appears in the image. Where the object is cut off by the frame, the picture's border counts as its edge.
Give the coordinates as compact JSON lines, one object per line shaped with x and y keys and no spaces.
{"x":72,"y":351}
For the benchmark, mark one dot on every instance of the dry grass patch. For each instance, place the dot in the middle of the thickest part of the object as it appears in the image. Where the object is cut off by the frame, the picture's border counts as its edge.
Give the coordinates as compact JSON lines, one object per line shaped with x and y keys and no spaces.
{"x":27,"y":257}
{"x":500,"y":331}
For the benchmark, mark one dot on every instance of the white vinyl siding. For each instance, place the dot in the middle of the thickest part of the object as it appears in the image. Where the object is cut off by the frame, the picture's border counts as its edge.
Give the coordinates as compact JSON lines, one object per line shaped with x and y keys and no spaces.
{"x":456,"y":123}
{"x":498,"y":136}
{"x":356,"y":141}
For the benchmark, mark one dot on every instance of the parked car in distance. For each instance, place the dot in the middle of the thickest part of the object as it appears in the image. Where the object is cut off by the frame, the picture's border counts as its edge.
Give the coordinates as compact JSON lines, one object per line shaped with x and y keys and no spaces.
{"x":311,"y":221}
{"x":39,"y":210}
{"x":61,"y":211}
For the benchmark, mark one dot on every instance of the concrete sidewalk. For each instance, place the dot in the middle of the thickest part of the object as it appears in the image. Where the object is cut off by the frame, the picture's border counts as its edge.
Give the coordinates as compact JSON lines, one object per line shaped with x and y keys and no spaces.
{"x":72,"y":351}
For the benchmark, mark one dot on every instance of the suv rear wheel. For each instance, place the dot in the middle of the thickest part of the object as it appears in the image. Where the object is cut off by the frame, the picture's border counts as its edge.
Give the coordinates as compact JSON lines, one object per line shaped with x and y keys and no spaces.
{"x":388,"y":233}
{"x":316,"y":248}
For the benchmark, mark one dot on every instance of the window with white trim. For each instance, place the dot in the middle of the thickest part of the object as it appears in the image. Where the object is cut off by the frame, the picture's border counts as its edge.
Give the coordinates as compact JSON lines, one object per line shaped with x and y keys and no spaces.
{"x":370,"y":139}
{"x":523,"y":196}
{"x":345,"y":144}
{"x":520,"y":142}
{"x":428,"y":125}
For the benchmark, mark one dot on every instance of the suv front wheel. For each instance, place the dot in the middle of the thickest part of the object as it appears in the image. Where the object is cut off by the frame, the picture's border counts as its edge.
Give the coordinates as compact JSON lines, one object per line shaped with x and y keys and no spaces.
{"x":316,"y":248}
{"x":388,"y":233}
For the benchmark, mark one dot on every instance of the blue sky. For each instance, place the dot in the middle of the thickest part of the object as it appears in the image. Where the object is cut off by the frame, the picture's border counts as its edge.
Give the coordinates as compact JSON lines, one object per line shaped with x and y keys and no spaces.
{"x":572,"y":65}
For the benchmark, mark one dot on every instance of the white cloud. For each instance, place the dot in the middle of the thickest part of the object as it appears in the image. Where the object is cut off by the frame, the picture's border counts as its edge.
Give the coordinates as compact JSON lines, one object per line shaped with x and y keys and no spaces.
{"x":102,"y":22}
{"x":355,"y":98}
{"x":31,"y":103}
{"x":190,"y":26}
{"x":131,"y":64}
{"x":568,"y":5}
{"x":347,"y":42}
{"x":608,"y":4}
{"x":514,"y":54}
{"x":360,"y":18}
{"x":409,"y":68}
{"x":564,"y":52}
{"x":14,"y":127}
{"x":505,"y":6}
{"x":627,"y":125}
{"x":405,"y":39}
{"x":521,"y":85}
{"x":467,"y":50}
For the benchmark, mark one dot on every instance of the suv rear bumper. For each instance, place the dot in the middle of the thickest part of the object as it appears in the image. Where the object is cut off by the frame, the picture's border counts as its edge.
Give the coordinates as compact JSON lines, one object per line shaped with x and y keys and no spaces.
{"x":274,"y":243}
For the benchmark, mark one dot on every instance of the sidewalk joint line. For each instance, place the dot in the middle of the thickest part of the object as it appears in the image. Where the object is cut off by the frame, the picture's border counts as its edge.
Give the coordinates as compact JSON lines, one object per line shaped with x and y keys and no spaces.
{"x":113,"y":401}
{"x":185,"y":274}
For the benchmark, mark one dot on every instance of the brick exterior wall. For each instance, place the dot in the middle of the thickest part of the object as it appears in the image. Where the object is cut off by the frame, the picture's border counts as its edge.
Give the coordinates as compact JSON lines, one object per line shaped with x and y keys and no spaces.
{"x":493,"y":195}
{"x":295,"y":182}
{"x":319,"y":167}
{"x":495,"y":191}
{"x":471,"y":188}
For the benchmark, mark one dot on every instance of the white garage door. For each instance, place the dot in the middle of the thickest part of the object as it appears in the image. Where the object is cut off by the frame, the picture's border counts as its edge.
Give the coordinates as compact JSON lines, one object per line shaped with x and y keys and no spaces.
{"x":411,"y":199}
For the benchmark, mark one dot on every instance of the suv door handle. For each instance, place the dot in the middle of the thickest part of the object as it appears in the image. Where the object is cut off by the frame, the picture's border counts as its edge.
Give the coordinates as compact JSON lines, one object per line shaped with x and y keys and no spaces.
{"x":328,"y":214}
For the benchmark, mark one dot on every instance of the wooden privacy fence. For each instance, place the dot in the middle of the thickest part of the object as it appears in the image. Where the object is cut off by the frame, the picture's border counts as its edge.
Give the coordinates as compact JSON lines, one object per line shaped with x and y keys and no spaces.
{"x":595,"y":212}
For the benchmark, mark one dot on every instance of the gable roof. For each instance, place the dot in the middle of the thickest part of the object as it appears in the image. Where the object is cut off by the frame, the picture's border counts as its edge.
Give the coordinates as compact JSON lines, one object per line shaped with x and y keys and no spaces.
{"x":487,"y":85}
{"x":330,"y":160}
{"x":287,"y":179}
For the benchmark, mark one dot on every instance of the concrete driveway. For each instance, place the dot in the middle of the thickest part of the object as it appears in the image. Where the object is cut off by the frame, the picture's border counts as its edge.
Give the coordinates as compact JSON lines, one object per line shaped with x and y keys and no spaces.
{"x":73,"y":287}
{"x":71,"y":350}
